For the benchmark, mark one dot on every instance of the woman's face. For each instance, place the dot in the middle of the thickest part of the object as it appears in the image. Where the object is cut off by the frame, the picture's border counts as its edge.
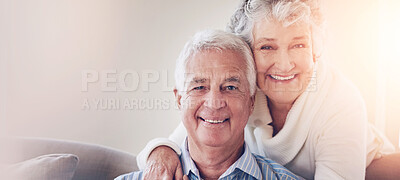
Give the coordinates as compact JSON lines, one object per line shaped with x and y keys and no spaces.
{"x":284,"y":59}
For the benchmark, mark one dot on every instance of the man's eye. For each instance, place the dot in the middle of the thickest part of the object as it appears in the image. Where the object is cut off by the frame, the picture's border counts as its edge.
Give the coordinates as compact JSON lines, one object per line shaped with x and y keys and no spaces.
{"x":199,"y":88}
{"x":230,"y":88}
{"x":266,"y":48}
{"x":299,"y":46}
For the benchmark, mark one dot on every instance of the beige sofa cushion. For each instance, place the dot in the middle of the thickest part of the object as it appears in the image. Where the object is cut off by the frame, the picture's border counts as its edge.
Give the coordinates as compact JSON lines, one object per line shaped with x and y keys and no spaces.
{"x":95,"y":161}
{"x":46,"y":167}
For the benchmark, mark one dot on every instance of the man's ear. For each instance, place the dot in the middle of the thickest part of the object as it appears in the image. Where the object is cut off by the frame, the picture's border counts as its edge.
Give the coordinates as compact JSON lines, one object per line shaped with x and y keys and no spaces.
{"x":252,"y":102}
{"x":178,"y":98}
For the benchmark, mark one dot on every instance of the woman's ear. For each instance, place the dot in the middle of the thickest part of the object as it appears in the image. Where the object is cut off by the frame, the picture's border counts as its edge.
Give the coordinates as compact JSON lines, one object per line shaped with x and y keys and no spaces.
{"x":178,"y":98}
{"x":315,"y":58}
{"x":317,"y":45}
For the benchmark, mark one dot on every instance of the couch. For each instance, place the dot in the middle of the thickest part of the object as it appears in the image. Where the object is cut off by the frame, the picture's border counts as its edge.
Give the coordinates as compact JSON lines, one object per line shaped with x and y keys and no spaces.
{"x":40,"y":158}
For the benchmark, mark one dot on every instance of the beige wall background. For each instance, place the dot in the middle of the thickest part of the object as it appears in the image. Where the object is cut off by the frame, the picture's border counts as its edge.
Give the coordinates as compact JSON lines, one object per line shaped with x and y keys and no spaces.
{"x":47,"y":45}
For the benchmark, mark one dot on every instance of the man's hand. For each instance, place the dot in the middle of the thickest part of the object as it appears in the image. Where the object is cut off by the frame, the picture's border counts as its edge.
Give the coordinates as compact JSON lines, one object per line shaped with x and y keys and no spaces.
{"x":163,"y":163}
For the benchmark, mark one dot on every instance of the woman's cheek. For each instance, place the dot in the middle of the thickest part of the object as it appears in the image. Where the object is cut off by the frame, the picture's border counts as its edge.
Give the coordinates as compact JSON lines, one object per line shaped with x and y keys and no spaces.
{"x":303,"y":59}
{"x":261,"y":63}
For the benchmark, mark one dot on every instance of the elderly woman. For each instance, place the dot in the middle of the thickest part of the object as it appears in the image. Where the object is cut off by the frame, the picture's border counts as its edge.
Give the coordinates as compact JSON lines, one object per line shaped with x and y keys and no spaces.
{"x":307,"y":116}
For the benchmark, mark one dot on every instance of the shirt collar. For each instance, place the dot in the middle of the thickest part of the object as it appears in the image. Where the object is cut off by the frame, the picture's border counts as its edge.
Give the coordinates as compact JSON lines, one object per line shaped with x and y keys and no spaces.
{"x":246,"y":163}
{"x":187,"y":162}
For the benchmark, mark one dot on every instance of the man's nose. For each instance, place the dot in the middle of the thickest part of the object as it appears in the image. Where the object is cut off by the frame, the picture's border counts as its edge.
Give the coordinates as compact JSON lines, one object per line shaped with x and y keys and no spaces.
{"x":283,"y":62}
{"x":215,"y":100}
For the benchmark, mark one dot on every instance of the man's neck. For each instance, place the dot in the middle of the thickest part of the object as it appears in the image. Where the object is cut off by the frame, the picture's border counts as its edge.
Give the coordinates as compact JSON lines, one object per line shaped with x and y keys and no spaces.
{"x":212,"y":162}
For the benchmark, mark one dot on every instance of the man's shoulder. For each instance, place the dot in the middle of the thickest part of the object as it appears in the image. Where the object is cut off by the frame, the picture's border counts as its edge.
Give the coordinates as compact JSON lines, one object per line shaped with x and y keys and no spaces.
{"x":263,"y":161}
{"x":137,"y":175}
{"x":268,"y":165}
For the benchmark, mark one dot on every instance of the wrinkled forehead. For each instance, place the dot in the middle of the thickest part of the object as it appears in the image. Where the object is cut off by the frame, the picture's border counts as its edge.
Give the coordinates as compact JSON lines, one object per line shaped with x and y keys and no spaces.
{"x":271,"y":24}
{"x":207,"y":76}
{"x":234,"y":75}
{"x":213,"y":63}
{"x":215,"y":66}
{"x":273,"y":30}
{"x":215,"y":70}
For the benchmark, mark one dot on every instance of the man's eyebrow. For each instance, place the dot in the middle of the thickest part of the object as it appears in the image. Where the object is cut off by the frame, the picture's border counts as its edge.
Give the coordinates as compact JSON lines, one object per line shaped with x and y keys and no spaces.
{"x":198,"y":80}
{"x":232,"y":79}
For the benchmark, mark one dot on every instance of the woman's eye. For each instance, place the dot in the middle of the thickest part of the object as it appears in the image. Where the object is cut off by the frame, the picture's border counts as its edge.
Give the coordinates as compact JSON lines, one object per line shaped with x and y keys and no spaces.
{"x":299,"y":46}
{"x":266,"y":48}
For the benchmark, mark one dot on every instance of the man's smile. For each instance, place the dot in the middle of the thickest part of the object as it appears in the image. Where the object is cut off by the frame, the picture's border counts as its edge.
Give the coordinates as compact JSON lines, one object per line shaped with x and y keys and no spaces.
{"x":214,"y":120}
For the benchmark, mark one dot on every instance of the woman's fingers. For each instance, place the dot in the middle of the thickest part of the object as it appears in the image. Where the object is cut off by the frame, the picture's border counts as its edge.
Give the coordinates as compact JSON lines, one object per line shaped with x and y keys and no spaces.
{"x":179,"y":172}
{"x":162,"y":163}
{"x":185,"y":177}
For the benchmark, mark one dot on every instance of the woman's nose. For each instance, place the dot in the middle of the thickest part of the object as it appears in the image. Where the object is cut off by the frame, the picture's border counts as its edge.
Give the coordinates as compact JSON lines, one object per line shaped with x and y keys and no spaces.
{"x":283,"y":62}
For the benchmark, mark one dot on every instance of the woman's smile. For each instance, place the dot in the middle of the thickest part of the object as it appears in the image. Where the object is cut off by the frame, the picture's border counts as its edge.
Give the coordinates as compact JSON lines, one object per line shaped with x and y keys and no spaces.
{"x":282,"y":77}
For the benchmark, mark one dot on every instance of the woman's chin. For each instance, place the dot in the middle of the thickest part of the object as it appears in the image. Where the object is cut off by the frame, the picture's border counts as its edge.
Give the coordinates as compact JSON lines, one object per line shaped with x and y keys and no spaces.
{"x":282,"y":93}
{"x":282,"y":97}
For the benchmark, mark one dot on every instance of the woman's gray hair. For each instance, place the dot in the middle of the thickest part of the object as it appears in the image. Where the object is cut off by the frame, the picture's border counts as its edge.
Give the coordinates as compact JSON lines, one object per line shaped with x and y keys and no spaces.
{"x":214,"y":40}
{"x":285,"y":11}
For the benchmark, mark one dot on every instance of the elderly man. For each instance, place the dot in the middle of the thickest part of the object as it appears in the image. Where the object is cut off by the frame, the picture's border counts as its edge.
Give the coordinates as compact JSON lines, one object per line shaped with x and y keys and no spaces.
{"x":215,"y":86}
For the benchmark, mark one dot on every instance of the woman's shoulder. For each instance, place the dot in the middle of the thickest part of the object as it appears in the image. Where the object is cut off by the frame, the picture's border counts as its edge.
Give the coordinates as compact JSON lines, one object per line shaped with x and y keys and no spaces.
{"x":338,"y":88}
{"x":338,"y":98}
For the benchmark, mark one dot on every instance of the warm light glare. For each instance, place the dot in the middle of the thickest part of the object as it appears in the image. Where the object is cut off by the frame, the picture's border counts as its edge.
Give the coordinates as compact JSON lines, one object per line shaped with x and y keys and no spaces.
{"x":388,"y":64}
{"x":389,"y":38}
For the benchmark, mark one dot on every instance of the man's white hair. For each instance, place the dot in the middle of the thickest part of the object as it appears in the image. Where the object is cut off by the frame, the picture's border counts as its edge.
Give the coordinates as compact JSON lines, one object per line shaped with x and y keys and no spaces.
{"x":214,"y":40}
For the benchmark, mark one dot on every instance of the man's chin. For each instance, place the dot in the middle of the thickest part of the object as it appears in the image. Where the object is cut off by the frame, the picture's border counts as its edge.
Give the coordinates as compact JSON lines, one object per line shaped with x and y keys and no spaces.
{"x":213,"y":141}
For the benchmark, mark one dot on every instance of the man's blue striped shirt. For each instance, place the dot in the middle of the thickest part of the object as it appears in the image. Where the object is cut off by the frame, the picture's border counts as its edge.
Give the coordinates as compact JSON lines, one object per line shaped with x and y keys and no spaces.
{"x":248,"y":167}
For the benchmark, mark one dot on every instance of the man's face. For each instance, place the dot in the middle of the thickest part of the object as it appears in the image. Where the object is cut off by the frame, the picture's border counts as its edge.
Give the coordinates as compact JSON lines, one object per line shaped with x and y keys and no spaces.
{"x":216,"y":101}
